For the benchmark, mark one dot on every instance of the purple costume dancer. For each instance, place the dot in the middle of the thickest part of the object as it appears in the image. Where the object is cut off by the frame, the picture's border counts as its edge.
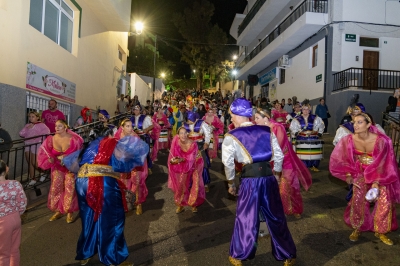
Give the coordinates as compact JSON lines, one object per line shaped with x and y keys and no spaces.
{"x":255,"y":146}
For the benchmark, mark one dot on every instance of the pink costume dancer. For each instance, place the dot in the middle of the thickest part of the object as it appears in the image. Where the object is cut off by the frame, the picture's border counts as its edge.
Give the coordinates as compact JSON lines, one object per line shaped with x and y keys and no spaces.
{"x":293,"y":171}
{"x":155,"y":136}
{"x":185,"y":175}
{"x":135,"y":181}
{"x":62,"y":196}
{"x":366,"y":169}
{"x":162,"y":140}
{"x":217,"y":129}
{"x":279,"y":116}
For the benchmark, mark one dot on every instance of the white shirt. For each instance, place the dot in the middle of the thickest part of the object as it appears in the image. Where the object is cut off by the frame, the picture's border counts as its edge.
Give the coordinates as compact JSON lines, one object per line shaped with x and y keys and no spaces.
{"x":233,"y":150}
{"x":205,"y":130}
{"x":146,"y":123}
{"x":318,"y":126}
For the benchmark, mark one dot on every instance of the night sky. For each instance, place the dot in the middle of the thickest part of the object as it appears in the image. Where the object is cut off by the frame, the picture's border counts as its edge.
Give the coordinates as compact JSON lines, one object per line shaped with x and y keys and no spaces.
{"x":156,"y":16}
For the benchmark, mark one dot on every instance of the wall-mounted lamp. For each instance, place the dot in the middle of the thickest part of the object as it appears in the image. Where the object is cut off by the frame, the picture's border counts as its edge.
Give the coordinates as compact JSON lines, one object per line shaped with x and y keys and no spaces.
{"x":357,"y":58}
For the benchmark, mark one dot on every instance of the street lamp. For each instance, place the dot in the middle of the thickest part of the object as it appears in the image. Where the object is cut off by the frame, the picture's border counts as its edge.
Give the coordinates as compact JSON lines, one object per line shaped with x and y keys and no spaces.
{"x":234,"y":57}
{"x":234,"y":72}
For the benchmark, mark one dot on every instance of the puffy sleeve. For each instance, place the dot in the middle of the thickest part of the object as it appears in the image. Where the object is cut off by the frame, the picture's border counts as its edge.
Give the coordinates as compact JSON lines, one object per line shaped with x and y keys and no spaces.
{"x":228,"y":157}
{"x":277,"y":153}
{"x":340,"y":133}
{"x":206,"y":131}
{"x":44,"y":154}
{"x":71,"y":161}
{"x":294,"y":127}
{"x":342,"y":160}
{"x":218,"y":125}
{"x":130,"y":152}
{"x":318,"y":125}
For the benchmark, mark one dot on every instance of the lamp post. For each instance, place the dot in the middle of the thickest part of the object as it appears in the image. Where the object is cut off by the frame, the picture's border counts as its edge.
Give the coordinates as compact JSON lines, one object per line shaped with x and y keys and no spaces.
{"x":154,"y":67}
{"x":234,"y":72}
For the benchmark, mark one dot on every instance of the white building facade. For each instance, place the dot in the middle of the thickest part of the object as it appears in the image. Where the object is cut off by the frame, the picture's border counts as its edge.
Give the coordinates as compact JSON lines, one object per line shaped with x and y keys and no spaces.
{"x":73,"y":51}
{"x":316,"y":49}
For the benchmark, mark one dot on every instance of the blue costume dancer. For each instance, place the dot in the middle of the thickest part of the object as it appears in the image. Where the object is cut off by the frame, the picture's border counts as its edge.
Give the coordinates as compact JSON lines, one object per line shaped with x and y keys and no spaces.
{"x":101,"y":196}
{"x":200,"y":132}
{"x":255,"y":146}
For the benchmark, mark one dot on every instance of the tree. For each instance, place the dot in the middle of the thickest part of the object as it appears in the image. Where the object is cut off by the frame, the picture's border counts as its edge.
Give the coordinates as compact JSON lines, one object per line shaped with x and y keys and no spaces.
{"x":140,"y":61}
{"x":204,"y":48}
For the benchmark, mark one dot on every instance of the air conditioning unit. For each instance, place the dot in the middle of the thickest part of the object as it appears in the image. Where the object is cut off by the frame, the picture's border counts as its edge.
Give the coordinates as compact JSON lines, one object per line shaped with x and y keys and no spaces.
{"x":283,"y":62}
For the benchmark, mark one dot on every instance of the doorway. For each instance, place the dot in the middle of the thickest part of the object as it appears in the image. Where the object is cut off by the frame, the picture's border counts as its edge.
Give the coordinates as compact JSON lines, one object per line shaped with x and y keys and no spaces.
{"x":370,"y":70}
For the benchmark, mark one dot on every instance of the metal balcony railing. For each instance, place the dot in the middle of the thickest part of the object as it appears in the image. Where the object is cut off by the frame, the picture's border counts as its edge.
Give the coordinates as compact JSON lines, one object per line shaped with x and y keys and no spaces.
{"x":365,"y":78}
{"x":315,"y":6}
{"x":391,"y":125}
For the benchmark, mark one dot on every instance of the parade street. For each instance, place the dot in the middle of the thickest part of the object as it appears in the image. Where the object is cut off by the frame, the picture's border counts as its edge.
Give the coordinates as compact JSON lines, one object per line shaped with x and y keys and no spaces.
{"x":162,"y":237}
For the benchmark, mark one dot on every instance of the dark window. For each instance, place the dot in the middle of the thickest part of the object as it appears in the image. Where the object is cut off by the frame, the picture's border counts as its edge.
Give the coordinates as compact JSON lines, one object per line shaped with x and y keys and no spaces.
{"x":315,"y":56}
{"x":283,"y":75}
{"x":369,"y":42}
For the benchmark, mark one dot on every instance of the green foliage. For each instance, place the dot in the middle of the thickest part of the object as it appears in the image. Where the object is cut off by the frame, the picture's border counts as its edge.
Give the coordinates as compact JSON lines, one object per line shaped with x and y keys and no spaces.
{"x":140,"y":61}
{"x":204,"y":50}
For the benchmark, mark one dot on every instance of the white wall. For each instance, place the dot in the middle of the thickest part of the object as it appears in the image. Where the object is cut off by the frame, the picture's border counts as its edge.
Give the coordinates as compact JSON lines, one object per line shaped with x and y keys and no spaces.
{"x":373,"y":11}
{"x":344,"y":53}
{"x":91,"y":65}
{"x":140,"y":88}
{"x":300,"y":78}
{"x":389,"y":57}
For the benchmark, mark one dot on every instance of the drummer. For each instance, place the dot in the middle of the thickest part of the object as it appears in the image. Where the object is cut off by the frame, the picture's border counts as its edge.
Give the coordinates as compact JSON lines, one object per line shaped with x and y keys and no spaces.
{"x":307,"y":129}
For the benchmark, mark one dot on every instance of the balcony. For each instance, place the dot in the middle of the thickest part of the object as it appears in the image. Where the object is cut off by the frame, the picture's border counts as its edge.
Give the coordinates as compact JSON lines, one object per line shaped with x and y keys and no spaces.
{"x":309,"y":17}
{"x":261,"y":14}
{"x":364,"y":78}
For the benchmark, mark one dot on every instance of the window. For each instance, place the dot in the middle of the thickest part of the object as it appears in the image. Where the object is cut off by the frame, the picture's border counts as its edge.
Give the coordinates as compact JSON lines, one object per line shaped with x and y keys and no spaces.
{"x":369,"y":42}
{"x":315,"y":56}
{"x":53,"y":18}
{"x":120,"y":55}
{"x":283,"y":75}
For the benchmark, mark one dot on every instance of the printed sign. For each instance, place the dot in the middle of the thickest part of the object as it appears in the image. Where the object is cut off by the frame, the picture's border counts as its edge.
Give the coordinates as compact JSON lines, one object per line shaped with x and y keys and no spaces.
{"x":318,"y":78}
{"x":268,"y":77}
{"x":41,"y":80}
{"x":350,"y":38}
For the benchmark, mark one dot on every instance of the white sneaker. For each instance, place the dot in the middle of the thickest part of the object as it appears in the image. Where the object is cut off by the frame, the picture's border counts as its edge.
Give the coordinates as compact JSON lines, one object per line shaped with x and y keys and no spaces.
{"x":32,"y":182}
{"x":42,"y":178}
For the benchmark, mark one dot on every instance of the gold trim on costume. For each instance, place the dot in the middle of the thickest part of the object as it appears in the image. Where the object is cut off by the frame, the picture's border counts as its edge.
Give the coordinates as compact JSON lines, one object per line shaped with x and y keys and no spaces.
{"x":87,"y":170}
{"x":241,"y":145}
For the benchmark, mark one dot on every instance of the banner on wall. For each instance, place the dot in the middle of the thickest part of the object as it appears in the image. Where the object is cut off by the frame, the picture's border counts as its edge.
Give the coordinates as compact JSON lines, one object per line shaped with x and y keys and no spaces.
{"x":272,"y":90}
{"x":41,"y":80}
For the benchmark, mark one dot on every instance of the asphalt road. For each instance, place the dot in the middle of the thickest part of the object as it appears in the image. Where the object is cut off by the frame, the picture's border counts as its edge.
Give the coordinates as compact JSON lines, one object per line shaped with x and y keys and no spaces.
{"x":162,"y":237}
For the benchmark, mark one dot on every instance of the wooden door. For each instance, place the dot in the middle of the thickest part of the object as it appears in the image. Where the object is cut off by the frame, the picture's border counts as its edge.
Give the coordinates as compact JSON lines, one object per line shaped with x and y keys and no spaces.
{"x":371,"y":70}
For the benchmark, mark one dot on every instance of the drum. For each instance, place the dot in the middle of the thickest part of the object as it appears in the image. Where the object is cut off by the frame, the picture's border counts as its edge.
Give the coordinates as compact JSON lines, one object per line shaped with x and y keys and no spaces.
{"x":309,"y":149}
{"x":163,"y":135}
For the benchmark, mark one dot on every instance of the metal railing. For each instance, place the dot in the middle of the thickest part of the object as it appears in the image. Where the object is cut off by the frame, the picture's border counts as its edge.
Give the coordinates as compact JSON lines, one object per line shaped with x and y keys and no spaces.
{"x":370,"y":79}
{"x":17,"y":160}
{"x":391,"y":125}
{"x":320,"y":6}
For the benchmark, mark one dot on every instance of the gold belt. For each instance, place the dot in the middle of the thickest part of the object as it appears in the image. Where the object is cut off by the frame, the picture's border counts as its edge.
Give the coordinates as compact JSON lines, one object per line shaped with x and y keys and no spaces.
{"x":87,"y":170}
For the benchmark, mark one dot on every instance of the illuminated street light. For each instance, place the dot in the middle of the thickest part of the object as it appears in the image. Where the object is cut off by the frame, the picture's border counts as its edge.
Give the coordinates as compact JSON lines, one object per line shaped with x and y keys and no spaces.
{"x":234,"y":72}
{"x":138,"y":29}
{"x":234,"y":57}
{"x":163,"y":75}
